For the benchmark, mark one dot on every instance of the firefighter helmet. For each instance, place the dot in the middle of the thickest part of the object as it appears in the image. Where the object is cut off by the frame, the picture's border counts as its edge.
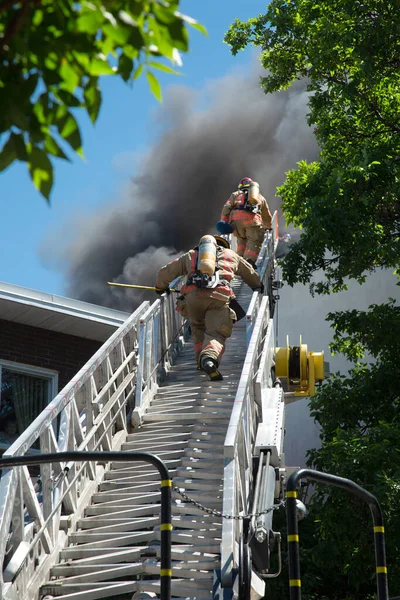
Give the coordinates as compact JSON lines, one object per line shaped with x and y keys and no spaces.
{"x":221,"y":241}
{"x":245,"y":183}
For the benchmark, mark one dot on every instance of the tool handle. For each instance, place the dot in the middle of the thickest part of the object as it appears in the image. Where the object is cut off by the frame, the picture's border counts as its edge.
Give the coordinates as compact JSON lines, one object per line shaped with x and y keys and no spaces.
{"x":139,"y":287}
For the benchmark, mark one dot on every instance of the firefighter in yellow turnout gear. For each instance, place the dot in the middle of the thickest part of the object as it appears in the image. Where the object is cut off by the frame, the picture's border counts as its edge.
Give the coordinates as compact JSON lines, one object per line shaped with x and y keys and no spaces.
{"x":207,"y":293}
{"x":248,"y":214}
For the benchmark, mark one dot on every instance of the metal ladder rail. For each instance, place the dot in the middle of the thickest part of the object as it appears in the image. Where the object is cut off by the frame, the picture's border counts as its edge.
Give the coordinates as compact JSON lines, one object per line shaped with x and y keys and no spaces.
{"x":89,"y":413}
{"x":193,"y":484}
{"x":256,"y":407}
{"x":100,"y":549}
{"x":102,"y":539}
{"x":103,"y":388}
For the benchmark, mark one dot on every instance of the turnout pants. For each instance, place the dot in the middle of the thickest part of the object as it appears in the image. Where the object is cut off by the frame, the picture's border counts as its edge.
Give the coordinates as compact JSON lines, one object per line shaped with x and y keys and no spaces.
{"x":249,"y":240}
{"x":211,"y":322}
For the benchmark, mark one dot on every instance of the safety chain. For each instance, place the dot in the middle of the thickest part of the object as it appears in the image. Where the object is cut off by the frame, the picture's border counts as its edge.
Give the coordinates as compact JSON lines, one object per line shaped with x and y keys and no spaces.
{"x":217,"y":513}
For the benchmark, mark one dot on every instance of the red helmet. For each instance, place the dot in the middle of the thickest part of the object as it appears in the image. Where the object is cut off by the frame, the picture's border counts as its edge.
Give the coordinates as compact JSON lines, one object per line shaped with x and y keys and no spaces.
{"x":245,"y":182}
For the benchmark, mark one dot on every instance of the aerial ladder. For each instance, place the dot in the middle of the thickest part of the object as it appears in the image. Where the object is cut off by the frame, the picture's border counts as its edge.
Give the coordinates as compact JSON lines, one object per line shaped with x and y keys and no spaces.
{"x":87,"y":531}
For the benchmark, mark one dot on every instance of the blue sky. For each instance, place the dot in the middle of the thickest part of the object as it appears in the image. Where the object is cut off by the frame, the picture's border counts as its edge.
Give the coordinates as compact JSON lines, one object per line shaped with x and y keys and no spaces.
{"x":124,"y":128}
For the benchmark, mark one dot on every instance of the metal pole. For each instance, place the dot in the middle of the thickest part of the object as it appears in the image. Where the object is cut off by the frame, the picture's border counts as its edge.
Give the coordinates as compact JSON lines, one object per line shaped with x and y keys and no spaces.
{"x":140,"y":287}
{"x":166,"y":487}
{"x":293,"y":545}
{"x":166,"y":529}
{"x":257,"y":486}
{"x":293,"y":534}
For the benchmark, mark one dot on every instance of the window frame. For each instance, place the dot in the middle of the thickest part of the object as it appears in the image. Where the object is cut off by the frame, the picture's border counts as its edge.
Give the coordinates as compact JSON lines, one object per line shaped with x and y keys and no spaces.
{"x":25,"y":369}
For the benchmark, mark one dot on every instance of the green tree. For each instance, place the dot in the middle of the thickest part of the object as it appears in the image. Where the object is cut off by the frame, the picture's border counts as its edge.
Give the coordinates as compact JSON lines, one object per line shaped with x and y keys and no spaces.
{"x":52,"y":55}
{"x":347,"y":206}
{"x":360,"y":432}
{"x":347,"y":202}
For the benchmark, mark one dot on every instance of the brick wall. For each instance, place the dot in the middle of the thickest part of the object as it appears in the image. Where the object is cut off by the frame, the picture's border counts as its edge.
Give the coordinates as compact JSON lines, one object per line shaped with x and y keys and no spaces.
{"x":47,"y":349}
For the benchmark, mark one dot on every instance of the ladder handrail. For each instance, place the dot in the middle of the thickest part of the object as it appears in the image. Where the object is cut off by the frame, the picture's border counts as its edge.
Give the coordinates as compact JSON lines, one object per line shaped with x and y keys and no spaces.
{"x":165,"y":500}
{"x":161,"y":334}
{"x":293,"y":530}
{"x":238,"y":448}
{"x":89,"y":413}
{"x":246,"y":412}
{"x":67,"y":394}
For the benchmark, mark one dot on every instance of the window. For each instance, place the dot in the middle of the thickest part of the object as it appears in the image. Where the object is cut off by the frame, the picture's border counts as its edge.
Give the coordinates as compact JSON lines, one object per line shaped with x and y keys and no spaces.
{"x":24,"y":393}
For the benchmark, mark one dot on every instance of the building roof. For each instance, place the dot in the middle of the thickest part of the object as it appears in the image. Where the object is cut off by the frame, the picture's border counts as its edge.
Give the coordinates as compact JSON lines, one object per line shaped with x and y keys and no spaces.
{"x":57,"y":313}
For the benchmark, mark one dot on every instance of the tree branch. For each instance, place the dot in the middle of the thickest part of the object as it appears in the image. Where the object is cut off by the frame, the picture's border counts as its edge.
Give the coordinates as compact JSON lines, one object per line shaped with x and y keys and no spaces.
{"x":6,"y":4}
{"x":392,"y":126}
{"x":330,"y":261}
{"x":374,"y":108}
{"x":15,"y":24}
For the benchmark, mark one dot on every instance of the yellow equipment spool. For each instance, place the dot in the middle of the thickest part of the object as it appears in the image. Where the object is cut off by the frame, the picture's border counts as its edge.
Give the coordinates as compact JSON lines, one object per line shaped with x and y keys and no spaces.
{"x":207,"y":255}
{"x":300,"y":368}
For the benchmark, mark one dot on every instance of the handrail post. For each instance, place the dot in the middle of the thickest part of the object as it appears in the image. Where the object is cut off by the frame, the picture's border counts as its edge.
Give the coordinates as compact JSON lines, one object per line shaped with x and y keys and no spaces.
{"x":166,"y":495}
{"x":293,"y":532}
{"x":140,"y":365}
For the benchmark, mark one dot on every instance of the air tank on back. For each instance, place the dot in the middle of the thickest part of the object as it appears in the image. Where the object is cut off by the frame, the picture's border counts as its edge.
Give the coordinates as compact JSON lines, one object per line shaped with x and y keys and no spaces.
{"x":207,"y":255}
{"x":254,"y":190}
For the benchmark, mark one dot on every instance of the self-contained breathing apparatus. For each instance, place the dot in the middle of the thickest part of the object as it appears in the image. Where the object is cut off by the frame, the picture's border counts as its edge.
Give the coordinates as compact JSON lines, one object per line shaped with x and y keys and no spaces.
{"x":248,"y":198}
{"x":206,"y":273}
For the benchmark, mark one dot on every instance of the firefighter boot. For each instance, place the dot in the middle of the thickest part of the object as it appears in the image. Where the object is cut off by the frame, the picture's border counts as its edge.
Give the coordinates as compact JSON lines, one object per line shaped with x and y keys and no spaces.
{"x":211,"y":368}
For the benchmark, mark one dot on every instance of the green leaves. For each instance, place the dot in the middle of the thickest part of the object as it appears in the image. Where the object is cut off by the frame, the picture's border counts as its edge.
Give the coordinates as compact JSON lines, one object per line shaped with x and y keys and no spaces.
{"x":118,"y":33}
{"x":63,"y":50}
{"x":69,"y":131}
{"x":92,"y":96}
{"x":40,"y":169}
{"x":373,"y":331}
{"x":12,"y":150}
{"x":344,"y":203}
{"x":162,"y":67}
{"x":192,"y":22}
{"x":125,"y":66}
{"x":90,"y":20}
{"x":52,"y":147}
{"x":99,"y":66}
{"x":138,"y":72}
{"x":199,"y":27}
{"x":19,"y":147}
{"x":360,"y":430}
{"x":7,"y":154}
{"x":347,"y":207}
{"x":154,"y":84}
{"x":69,"y":75}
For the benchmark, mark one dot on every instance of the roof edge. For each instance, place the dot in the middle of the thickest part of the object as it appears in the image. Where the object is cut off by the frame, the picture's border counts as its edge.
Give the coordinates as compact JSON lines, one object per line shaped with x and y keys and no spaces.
{"x":62,"y":304}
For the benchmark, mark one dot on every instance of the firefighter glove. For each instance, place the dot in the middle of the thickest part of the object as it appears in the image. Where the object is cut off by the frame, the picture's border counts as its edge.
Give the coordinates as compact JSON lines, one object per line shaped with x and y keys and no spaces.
{"x":260,"y":288}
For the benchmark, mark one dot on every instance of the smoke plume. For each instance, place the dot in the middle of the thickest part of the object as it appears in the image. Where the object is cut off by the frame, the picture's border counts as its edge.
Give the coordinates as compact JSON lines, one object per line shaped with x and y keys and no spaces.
{"x":207,"y":142}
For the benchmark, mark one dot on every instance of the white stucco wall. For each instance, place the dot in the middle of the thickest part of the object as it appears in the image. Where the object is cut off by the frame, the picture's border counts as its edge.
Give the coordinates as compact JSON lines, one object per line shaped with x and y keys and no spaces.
{"x":300,"y":314}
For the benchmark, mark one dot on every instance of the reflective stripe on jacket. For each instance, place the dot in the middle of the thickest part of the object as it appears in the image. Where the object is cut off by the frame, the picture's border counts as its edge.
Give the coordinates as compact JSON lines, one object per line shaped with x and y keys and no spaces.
{"x":232,"y":211}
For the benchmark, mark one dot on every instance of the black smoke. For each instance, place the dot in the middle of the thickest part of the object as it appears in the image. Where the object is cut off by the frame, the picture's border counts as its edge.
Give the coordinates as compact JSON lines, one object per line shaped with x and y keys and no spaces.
{"x":177,"y":193}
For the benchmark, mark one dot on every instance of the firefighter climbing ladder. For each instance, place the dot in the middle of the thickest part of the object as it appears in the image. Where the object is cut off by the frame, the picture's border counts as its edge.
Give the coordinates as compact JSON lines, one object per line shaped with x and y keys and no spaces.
{"x":85,"y":531}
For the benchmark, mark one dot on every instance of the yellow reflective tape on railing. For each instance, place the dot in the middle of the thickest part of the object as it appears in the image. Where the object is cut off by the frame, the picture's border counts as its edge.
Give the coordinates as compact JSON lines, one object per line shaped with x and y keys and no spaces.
{"x":292,"y":538}
{"x":379,"y":529}
{"x":381,"y":569}
{"x":165,"y":572}
{"x":291,"y":494}
{"x":166,"y":527}
{"x":166,"y":483}
{"x":295,"y":583}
